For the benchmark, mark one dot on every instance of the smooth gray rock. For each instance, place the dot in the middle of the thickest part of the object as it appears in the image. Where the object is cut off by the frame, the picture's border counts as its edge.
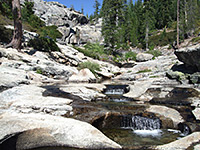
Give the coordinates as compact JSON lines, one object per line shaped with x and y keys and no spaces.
{"x":54,"y":13}
{"x":85,"y":91}
{"x":84,"y":75}
{"x":45,"y":130}
{"x":167,"y":112}
{"x":39,"y":62}
{"x":10,"y":77}
{"x":182,"y":143}
{"x":29,"y":99}
{"x":141,"y":57}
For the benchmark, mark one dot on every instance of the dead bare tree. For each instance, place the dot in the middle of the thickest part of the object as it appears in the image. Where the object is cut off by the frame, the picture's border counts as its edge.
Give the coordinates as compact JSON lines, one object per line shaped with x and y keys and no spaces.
{"x":17,"y":35}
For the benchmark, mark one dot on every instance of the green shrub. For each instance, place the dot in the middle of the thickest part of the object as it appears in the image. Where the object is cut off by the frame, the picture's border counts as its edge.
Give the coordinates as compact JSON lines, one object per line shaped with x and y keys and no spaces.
{"x":50,"y":31}
{"x":155,"y":53}
{"x":93,"y":50}
{"x":39,"y":71}
{"x":28,"y":16}
{"x":123,"y":46}
{"x":130,"y":55}
{"x":43,"y":44}
{"x":118,"y":58}
{"x":163,"y":39}
{"x":6,"y":8}
{"x":91,"y":66}
{"x":36,"y":22}
{"x":144,"y":71}
{"x":27,"y":10}
{"x":5,"y":34}
{"x":196,"y":39}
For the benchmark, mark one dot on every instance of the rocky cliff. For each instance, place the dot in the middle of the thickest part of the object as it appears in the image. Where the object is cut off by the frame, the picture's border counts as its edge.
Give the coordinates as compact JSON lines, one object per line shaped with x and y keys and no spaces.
{"x":68,"y":21}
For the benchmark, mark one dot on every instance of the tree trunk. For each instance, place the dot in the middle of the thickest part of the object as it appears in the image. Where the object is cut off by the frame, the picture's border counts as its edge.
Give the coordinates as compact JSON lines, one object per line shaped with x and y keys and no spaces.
{"x":147,"y":36}
{"x":185,"y":9}
{"x":178,"y":2}
{"x":17,"y":35}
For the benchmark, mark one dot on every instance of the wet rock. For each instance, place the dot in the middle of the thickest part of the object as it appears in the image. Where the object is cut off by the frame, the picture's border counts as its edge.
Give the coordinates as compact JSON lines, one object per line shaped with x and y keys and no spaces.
{"x":182,"y":143}
{"x":38,"y":130}
{"x":167,"y":112}
{"x":188,"y":127}
{"x":141,"y":57}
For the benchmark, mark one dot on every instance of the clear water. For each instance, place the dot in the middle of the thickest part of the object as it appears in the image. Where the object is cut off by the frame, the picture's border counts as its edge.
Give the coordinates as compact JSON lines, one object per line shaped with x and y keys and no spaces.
{"x":130,"y":139}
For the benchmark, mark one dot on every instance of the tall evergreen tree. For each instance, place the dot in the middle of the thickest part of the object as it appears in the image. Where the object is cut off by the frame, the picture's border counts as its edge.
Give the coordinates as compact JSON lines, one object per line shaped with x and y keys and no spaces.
{"x":96,"y":7}
{"x":149,"y":20}
{"x":112,"y":14}
{"x":131,"y":25}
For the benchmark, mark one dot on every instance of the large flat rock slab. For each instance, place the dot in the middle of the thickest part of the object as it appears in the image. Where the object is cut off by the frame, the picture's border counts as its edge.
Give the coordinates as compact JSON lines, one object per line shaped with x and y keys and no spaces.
{"x":29,"y":99}
{"x":53,"y":131}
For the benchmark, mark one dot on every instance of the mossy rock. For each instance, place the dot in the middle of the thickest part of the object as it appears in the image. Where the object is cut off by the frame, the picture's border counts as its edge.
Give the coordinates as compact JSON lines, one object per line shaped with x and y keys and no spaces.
{"x":195,"y":78}
{"x":176,"y":75}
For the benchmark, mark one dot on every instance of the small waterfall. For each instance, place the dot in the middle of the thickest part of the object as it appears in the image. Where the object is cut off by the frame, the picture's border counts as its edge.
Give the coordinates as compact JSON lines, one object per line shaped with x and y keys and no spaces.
{"x":114,"y":92}
{"x":141,"y":123}
{"x":116,"y":89}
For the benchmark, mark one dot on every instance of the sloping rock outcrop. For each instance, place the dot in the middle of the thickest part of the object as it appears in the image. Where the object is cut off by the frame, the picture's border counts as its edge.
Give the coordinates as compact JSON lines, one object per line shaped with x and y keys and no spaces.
{"x":68,"y":21}
{"x":54,"y":13}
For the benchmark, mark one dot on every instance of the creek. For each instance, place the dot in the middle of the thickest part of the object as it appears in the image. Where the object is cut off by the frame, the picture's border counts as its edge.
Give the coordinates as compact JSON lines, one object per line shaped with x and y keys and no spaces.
{"x":125,"y":120}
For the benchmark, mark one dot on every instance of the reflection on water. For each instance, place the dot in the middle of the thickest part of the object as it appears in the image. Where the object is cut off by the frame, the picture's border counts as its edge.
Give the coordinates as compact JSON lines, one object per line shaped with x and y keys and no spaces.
{"x":131,"y":138}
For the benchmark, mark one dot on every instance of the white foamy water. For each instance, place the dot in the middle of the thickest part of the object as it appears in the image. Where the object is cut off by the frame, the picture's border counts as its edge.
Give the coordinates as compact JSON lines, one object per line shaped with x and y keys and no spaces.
{"x":174,"y":131}
{"x":145,"y":133}
{"x":114,"y":92}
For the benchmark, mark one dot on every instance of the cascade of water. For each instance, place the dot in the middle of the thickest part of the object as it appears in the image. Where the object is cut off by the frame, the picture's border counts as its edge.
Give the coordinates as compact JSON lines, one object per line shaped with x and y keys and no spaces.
{"x":114,"y":92}
{"x":141,"y":123}
{"x":116,"y":89}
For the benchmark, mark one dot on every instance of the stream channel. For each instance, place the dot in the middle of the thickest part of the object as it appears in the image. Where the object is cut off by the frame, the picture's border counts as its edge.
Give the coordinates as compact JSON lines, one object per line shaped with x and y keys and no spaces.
{"x":126,"y":121}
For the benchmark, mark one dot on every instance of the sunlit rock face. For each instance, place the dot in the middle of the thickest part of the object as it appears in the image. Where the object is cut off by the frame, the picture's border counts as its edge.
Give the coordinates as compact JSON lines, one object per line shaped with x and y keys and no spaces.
{"x":68,"y":21}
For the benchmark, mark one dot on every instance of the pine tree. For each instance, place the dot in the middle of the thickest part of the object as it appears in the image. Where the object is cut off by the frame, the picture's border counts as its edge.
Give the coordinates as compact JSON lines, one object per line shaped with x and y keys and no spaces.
{"x":149,"y":20}
{"x":82,"y":10}
{"x":192,"y":16}
{"x":165,"y":12}
{"x":112,"y":13}
{"x":96,"y":6}
{"x":131,"y":25}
